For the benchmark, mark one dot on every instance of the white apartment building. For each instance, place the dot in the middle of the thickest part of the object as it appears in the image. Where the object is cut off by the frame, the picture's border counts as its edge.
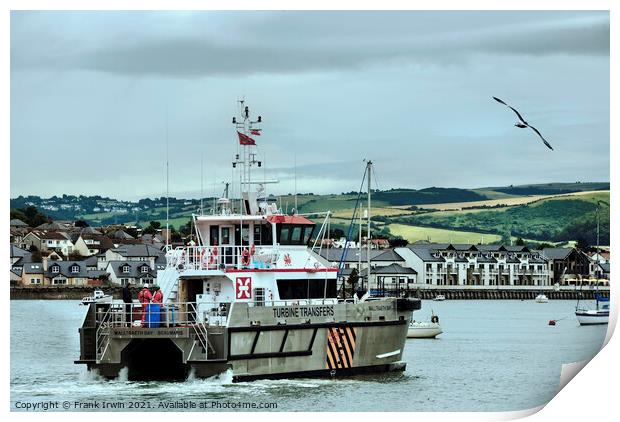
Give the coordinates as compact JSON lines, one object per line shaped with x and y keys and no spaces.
{"x":476,"y":265}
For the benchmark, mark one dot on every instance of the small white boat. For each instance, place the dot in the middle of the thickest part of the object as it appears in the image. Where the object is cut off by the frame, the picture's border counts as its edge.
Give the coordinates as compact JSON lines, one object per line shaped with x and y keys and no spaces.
{"x":541,"y":298}
{"x":600,"y":315}
{"x":439,"y":298}
{"x":97,"y":297}
{"x":421,"y":329}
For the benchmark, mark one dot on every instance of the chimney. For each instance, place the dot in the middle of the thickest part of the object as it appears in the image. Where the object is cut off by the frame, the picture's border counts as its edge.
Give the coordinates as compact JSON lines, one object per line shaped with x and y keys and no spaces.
{"x":44,"y":259}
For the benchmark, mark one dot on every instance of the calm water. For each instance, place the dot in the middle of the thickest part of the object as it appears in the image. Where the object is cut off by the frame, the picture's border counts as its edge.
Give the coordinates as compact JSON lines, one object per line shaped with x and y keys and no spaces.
{"x":492,"y":356}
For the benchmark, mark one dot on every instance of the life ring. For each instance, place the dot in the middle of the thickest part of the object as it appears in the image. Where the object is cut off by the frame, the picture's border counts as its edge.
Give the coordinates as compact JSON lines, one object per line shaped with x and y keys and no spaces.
{"x":245,"y":258}
{"x":435,"y":319}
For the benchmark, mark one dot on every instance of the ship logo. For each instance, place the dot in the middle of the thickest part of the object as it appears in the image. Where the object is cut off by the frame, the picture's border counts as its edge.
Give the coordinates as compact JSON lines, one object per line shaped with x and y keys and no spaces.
{"x":287,"y":260}
{"x":243,"y":287}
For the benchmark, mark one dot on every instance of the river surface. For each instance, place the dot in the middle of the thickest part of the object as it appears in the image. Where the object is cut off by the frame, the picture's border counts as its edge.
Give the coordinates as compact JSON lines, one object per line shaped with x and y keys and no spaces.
{"x":492,"y":356}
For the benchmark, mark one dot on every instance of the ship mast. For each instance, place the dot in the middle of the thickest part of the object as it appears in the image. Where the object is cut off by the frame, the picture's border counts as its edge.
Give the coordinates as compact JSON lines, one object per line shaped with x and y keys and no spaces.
{"x":246,"y":129}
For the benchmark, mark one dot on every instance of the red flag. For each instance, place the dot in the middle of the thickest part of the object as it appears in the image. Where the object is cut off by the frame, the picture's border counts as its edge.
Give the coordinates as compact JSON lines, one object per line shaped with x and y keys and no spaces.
{"x":255,"y":132}
{"x":245,"y":139}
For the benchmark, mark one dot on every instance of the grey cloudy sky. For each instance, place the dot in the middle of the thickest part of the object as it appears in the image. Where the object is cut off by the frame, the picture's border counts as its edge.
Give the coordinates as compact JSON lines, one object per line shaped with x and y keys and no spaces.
{"x":90,"y":92}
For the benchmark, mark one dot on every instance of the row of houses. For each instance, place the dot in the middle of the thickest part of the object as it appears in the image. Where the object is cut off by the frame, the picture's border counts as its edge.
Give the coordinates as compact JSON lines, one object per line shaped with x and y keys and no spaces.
{"x":446,"y":264}
{"x":119,"y":258}
{"x":127,"y":264}
{"x":84,"y":241}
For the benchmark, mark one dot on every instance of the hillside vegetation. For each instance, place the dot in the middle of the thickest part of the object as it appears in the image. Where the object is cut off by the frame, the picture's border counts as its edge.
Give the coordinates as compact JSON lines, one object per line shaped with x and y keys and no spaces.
{"x":555,"y":219}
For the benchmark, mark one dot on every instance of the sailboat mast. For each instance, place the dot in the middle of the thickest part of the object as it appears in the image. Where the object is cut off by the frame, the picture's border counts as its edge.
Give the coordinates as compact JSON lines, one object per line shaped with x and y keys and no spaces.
{"x":598,"y":247}
{"x":167,"y":184}
{"x":369,"y":168}
{"x":201,"y":184}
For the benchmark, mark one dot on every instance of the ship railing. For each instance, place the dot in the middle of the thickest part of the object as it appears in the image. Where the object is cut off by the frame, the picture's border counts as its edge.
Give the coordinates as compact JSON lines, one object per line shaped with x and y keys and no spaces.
{"x":222,"y":257}
{"x":102,"y":337}
{"x":138,"y":315}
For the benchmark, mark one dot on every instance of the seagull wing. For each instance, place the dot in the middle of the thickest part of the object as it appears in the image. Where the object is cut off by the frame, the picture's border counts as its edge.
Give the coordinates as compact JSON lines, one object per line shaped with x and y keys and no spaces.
{"x":500,"y":101}
{"x":513,"y":109}
{"x":541,"y":137}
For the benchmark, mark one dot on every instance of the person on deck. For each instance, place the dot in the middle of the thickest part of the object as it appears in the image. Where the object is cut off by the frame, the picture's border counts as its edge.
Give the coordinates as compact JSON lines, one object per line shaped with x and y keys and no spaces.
{"x":128,"y":300}
{"x":158,"y":296}
{"x":145,"y":298}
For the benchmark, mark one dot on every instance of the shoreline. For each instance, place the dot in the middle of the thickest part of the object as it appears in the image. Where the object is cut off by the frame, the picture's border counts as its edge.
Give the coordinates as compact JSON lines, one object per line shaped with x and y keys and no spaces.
{"x":78,"y":292}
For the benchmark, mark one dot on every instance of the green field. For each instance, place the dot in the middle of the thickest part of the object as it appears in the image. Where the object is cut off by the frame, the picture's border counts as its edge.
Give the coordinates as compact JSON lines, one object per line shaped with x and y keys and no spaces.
{"x":414,"y":233}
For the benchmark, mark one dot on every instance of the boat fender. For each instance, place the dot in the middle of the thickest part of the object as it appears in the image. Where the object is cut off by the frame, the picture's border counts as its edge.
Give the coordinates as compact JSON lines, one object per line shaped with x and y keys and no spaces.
{"x":245,"y":258}
{"x":213,"y":255}
{"x":435,"y":319}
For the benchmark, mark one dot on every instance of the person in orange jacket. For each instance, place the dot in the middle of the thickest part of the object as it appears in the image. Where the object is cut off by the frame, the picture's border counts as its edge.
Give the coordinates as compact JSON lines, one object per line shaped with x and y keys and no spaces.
{"x":145,"y":298}
{"x":158,"y":296}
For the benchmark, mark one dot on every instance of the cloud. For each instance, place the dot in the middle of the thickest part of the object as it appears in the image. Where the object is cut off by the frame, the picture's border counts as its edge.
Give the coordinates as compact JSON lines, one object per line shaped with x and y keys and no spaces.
{"x":300,"y":42}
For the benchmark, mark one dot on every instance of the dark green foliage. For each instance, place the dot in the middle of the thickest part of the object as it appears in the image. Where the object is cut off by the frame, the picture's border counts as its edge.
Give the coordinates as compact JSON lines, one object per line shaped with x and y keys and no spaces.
{"x":30,"y":215}
{"x":427,"y":196}
{"x":152,"y":228}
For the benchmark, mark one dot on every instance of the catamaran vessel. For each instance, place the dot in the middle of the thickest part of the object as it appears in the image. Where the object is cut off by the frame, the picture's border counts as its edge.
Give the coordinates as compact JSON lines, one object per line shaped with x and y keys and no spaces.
{"x":253,"y":296}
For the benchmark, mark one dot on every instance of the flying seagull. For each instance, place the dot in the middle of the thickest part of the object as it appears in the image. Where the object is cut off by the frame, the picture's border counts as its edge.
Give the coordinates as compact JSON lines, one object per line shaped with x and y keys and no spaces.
{"x":523,"y":124}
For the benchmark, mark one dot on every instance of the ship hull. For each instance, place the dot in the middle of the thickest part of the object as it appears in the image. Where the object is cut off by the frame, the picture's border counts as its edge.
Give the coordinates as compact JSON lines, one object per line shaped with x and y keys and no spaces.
{"x":347,"y":339}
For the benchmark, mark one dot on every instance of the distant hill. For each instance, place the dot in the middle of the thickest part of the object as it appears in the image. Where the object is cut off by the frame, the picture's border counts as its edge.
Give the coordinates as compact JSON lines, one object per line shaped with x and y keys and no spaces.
{"x":98,"y":210}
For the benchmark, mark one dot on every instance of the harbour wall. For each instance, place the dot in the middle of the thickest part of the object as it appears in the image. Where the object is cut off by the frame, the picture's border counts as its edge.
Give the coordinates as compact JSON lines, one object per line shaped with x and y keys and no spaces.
{"x":508,"y":294}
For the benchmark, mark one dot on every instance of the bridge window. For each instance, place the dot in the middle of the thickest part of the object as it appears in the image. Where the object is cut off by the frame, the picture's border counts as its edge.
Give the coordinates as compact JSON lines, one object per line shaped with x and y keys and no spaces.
{"x":306,"y":289}
{"x":298,"y":234}
{"x":262,"y":234}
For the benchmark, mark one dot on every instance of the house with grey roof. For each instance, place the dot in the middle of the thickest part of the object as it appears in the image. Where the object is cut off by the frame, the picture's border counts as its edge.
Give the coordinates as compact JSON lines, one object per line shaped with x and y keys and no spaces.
{"x":567,"y":266}
{"x":88,"y":244}
{"x":390,"y":278}
{"x":45,"y":240}
{"x":352,"y":256}
{"x":17,"y":223}
{"x":134,"y":252}
{"x":131,"y":273}
{"x":18,"y":258}
{"x":32,"y":274}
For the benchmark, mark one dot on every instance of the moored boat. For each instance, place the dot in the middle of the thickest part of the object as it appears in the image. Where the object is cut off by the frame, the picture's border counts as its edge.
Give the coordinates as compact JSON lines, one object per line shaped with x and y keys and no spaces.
{"x":424,"y":329}
{"x":439,"y":298}
{"x":541,"y":298}
{"x":599,"y":315}
{"x":98,"y":297}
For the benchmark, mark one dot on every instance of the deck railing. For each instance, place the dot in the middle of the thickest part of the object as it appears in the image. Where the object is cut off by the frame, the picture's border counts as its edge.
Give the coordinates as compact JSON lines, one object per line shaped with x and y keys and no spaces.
{"x":222,"y":257}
